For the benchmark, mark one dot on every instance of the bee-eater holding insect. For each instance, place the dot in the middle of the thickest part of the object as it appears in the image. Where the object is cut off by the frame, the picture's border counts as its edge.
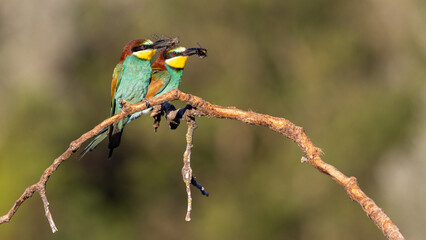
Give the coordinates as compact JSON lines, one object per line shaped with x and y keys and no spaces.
{"x":164,"y":68}
{"x":169,"y":69}
{"x":167,"y":72}
{"x":130,"y":80}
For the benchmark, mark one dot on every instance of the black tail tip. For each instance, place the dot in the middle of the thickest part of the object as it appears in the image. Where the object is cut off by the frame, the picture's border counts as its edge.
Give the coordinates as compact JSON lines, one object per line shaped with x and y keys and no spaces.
{"x":110,"y":153}
{"x":114,"y":141}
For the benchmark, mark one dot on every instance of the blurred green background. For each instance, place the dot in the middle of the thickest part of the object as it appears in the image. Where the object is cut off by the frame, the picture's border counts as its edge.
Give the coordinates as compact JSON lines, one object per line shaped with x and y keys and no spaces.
{"x":351,"y":73}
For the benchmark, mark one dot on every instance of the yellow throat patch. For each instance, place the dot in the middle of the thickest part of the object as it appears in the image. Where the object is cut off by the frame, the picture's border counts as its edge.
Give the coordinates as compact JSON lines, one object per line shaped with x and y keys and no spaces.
{"x":177,"y":62}
{"x":145,"y":54}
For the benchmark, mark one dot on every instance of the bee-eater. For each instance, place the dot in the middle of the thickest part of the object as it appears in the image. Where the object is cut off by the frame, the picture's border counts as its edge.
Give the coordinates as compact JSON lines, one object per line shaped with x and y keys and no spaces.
{"x":130,"y":81}
{"x":169,"y":69}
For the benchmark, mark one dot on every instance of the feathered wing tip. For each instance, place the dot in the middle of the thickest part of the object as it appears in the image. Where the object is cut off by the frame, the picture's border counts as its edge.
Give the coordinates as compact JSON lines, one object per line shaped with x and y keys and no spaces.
{"x":94,"y":143}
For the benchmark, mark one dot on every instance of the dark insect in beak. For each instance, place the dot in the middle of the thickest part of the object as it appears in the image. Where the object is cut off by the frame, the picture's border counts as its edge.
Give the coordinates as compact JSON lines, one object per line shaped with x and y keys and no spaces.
{"x":164,"y":37}
{"x":200,"y":52}
{"x":165,"y":43}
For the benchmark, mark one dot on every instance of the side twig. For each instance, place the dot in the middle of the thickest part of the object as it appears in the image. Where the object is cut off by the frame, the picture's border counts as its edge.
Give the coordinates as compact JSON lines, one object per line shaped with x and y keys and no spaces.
{"x":186,"y":169}
{"x":312,"y":154}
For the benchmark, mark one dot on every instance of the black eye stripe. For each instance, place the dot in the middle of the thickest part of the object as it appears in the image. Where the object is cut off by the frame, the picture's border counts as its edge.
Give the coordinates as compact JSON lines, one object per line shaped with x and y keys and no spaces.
{"x":140,"y":47}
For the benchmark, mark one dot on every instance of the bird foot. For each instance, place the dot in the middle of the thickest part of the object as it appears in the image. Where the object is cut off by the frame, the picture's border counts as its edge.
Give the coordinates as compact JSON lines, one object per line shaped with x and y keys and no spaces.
{"x":146,"y":102}
{"x":121,"y":102}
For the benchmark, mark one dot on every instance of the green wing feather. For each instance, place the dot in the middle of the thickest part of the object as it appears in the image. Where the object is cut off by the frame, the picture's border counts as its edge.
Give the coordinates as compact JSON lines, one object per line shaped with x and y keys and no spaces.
{"x":130,"y":80}
{"x":132,"y":86}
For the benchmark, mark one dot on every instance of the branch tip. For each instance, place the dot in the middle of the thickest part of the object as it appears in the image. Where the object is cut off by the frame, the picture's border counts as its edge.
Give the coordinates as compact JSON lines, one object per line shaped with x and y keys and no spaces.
{"x":42,"y":192}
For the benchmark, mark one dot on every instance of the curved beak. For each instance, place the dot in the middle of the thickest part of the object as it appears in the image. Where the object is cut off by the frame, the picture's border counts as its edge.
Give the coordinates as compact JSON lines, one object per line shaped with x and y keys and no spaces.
{"x":200,"y":52}
{"x":165,"y":43}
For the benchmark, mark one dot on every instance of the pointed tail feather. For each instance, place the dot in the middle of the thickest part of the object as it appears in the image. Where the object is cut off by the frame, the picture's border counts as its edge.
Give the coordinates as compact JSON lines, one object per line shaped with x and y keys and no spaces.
{"x":114,"y":141}
{"x":94,"y":143}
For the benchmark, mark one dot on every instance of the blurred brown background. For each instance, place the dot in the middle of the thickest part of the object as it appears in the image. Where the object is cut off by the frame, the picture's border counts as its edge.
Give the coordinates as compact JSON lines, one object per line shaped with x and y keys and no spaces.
{"x":351,"y":73}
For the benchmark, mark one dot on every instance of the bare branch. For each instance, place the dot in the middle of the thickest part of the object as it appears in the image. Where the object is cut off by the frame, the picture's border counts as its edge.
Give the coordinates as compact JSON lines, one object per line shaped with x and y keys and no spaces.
{"x":40,"y":186}
{"x":186,"y":169}
{"x":312,"y":154}
{"x":46,"y":209}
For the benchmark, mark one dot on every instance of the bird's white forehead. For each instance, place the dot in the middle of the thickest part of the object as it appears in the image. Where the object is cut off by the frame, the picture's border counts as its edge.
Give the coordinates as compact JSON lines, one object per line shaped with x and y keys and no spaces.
{"x":178,"y":49}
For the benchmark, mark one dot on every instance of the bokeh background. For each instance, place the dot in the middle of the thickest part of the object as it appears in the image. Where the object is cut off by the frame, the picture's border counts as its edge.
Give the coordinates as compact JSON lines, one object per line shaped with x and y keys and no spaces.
{"x":351,"y":73}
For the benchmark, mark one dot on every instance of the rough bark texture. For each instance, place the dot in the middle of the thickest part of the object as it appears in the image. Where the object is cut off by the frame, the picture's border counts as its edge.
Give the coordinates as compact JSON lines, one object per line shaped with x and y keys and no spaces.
{"x":312,"y":154}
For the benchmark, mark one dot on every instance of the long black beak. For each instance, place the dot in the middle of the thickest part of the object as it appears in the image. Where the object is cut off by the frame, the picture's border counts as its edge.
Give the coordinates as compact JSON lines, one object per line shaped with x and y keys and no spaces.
{"x":165,"y":43}
{"x":200,"y":52}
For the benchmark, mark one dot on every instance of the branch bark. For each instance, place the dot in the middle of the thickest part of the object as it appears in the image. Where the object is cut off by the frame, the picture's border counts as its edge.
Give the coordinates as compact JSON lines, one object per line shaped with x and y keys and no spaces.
{"x":312,"y":154}
{"x":186,"y":169}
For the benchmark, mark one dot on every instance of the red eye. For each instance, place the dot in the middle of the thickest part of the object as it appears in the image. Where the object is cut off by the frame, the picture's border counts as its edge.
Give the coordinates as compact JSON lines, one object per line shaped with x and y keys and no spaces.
{"x":174,"y":53}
